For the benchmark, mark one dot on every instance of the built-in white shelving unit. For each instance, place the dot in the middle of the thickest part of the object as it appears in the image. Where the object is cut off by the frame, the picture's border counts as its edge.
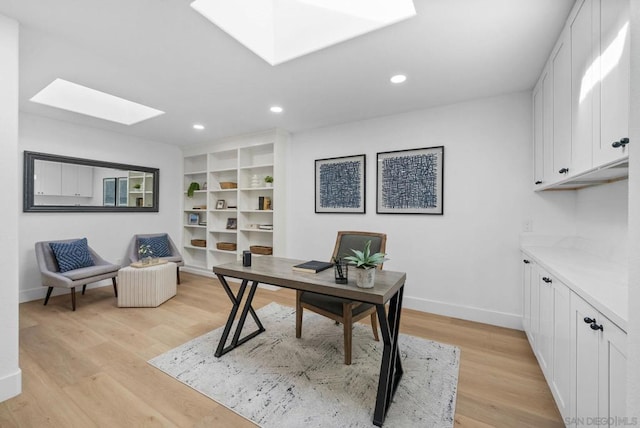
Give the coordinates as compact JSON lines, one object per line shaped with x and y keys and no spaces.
{"x":223,"y":213}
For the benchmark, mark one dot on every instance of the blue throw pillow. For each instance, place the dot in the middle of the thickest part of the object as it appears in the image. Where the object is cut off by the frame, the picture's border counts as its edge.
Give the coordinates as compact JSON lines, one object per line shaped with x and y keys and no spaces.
{"x":72,"y":255}
{"x":159,"y":245}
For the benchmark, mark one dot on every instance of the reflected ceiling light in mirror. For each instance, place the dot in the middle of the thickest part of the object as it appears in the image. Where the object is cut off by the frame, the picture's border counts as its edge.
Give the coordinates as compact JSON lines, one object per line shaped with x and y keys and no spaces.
{"x":80,"y":99}
{"x":281,"y":30}
{"x":198,"y":127}
{"x":398,"y":78}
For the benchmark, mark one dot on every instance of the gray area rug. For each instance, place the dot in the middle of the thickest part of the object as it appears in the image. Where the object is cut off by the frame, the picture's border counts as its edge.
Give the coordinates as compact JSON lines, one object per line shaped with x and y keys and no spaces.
{"x":276,"y":380}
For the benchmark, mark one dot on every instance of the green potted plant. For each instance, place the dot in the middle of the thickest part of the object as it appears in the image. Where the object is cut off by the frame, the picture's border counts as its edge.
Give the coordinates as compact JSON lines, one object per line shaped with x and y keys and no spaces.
{"x":137,"y":186}
{"x":268,"y":180}
{"x":192,"y":188}
{"x":365,"y":262}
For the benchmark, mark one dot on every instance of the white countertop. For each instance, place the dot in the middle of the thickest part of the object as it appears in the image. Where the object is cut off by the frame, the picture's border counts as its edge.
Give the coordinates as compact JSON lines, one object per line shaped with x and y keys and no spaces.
{"x":601,"y":282}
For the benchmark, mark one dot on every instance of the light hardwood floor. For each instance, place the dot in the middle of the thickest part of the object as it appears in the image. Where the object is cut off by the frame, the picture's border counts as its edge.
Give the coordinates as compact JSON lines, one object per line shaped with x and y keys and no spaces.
{"x":88,"y":368}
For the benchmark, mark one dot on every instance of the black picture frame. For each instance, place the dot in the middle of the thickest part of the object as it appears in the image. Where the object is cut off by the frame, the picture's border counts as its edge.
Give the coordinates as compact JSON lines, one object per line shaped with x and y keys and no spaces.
{"x":221,"y":204}
{"x":340,"y":185}
{"x":410,"y":181}
{"x":232,"y":223}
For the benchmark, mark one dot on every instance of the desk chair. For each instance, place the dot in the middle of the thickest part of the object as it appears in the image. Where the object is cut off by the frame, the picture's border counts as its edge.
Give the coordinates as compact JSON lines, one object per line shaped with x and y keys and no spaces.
{"x":343,"y":310}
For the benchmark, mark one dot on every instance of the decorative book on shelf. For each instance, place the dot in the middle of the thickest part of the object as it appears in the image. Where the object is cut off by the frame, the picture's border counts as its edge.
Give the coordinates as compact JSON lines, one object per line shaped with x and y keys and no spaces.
{"x":264,"y":203}
{"x":312,"y":266}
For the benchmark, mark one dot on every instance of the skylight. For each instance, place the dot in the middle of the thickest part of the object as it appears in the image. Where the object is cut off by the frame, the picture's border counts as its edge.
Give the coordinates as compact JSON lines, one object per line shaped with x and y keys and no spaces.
{"x":281,"y":30}
{"x":80,"y":99}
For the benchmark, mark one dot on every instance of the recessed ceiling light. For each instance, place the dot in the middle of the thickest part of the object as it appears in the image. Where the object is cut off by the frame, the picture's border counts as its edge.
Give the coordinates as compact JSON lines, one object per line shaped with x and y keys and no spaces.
{"x":398,"y":78}
{"x":198,"y":127}
{"x":276,"y":109}
{"x":281,"y":30}
{"x":80,"y":99}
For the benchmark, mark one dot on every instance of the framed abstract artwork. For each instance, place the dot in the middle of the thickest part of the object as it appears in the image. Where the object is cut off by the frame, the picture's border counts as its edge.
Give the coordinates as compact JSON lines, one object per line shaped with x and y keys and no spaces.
{"x":410,"y":181}
{"x":340,"y":185}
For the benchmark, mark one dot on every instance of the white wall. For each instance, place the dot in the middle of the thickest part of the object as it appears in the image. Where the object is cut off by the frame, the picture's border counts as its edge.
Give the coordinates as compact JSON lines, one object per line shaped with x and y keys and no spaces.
{"x":465,"y":263}
{"x":108,"y":233}
{"x":10,"y":375}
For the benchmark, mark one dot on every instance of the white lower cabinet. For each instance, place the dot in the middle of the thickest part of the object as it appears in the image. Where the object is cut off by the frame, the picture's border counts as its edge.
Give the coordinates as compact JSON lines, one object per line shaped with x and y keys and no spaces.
{"x":582,"y":354}
{"x":599,"y":378}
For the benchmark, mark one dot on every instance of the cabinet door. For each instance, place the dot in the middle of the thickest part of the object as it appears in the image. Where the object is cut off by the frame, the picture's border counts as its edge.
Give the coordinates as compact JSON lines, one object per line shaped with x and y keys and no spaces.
{"x":613,"y":371}
{"x":47,"y":178}
{"x":561,"y":379}
{"x":538,"y":138}
{"x":613,"y":72}
{"x":535,"y":309}
{"x":562,"y":150}
{"x":586,"y":355}
{"x":526,"y":297}
{"x":69,"y":180}
{"x":545,"y":337}
{"x":547,"y":125}
{"x":84,"y":181}
{"x":583,"y":80}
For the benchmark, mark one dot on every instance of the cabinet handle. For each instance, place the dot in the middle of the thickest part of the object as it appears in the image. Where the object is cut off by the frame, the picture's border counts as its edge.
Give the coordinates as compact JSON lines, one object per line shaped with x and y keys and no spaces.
{"x":547,"y":280}
{"x":596,"y":327}
{"x":623,"y":142}
{"x":589,"y":320}
{"x":526,"y":262}
{"x":538,"y":182}
{"x":563,"y":171}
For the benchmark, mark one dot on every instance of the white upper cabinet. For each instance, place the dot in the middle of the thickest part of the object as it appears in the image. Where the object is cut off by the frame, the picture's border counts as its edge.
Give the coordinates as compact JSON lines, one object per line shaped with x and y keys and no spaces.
{"x":76,"y":180}
{"x":46,"y":178}
{"x":584,"y":96}
{"x":561,"y":68}
{"x":613,"y":69}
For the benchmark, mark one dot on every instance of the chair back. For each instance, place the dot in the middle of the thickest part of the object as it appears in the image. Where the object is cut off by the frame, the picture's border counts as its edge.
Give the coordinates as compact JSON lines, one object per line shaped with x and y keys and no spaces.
{"x":47,"y":259}
{"x":348,"y":240}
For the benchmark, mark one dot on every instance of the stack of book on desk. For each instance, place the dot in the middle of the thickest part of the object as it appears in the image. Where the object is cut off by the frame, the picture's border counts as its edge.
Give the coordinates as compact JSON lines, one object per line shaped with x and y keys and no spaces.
{"x":312,"y":266}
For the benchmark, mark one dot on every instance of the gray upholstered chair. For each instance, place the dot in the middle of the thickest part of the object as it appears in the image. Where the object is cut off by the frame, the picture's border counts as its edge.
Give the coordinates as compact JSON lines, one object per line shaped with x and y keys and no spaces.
{"x":343,"y":310}
{"x":52,"y":277}
{"x":175,"y":256}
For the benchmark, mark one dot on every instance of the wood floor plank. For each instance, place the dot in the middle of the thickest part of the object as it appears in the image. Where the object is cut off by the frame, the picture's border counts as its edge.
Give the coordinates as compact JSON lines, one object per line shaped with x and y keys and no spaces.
{"x":89,"y":367}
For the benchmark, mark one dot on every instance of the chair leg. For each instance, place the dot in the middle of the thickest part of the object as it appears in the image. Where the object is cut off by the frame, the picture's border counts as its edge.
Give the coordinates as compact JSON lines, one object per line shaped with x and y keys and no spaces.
{"x":115,"y":287}
{"x":298,"y":314}
{"x":73,"y":298}
{"x":84,"y":287}
{"x":46,"y":299}
{"x":178,"y":273}
{"x":348,"y":326}
{"x":374,"y":326}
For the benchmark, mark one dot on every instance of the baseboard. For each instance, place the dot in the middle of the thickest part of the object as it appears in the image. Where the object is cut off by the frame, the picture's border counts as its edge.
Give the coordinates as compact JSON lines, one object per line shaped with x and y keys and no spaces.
{"x":468,"y":313}
{"x":11,"y":385}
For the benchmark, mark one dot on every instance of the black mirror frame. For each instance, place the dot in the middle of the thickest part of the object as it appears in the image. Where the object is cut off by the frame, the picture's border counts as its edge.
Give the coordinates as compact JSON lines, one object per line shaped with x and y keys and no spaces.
{"x":28,"y":185}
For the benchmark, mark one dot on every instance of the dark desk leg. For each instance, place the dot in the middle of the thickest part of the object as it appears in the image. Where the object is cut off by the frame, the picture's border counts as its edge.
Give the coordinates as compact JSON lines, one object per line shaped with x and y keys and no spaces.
{"x":236,"y":300}
{"x":391,"y":367}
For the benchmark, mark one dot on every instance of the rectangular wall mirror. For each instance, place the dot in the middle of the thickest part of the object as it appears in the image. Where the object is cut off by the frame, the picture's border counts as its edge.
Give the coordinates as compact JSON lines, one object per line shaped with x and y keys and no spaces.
{"x":55,"y":183}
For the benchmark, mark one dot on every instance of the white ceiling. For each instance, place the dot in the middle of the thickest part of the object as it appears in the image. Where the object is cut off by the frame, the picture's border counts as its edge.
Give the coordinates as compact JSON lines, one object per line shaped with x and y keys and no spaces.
{"x":163,"y":54}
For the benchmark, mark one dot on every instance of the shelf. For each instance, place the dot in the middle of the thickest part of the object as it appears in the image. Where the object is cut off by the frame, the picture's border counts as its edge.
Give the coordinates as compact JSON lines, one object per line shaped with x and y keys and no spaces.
{"x":226,"y":210}
{"x":195,"y":210}
{"x":230,"y":252}
{"x":195,"y":173}
{"x":265,"y":165}
{"x":196,"y":191}
{"x":256,"y":211}
{"x":197,"y":226}
{"x":256,"y":188}
{"x":191,"y":247}
{"x":222,"y":190}
{"x":232,"y":231}
{"x":213,"y":171}
{"x":257,"y":230}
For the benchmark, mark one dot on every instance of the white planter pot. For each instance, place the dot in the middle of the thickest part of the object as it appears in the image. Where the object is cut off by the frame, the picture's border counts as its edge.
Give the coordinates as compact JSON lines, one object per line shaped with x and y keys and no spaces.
{"x":365,"y":277}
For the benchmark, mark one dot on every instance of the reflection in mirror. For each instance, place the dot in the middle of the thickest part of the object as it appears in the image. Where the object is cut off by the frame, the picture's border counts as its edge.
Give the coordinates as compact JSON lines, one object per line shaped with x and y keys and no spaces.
{"x":56,"y":183}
